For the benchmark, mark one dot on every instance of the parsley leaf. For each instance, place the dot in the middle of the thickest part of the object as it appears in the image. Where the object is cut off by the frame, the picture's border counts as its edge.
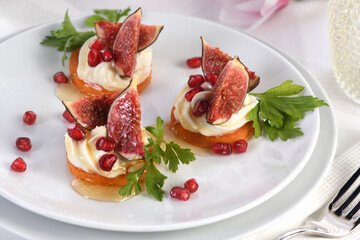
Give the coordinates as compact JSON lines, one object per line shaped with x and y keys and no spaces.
{"x":157,"y":131}
{"x":90,"y":21}
{"x":172,"y":156}
{"x":270,"y":131}
{"x":184,"y":154}
{"x":65,"y":29}
{"x":285,"y":89}
{"x":288,"y":131}
{"x":133,"y":179}
{"x":154,"y":181}
{"x":254,"y":116}
{"x":156,"y":153}
{"x":66,"y":38}
{"x":111,"y":15}
{"x":280,"y":112}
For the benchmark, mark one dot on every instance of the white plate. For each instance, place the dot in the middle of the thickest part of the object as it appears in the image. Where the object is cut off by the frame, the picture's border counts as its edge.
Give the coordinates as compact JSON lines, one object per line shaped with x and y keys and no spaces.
{"x":30,"y":225}
{"x":228,"y":185}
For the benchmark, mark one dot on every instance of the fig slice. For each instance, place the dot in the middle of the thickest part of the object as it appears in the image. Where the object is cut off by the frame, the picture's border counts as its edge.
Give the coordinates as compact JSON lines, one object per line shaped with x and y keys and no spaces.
{"x":123,"y":124}
{"x":213,"y":60}
{"x":148,"y":35}
{"x":229,"y":92}
{"x":126,"y":44}
{"x":107,"y":31}
{"x":92,"y":111}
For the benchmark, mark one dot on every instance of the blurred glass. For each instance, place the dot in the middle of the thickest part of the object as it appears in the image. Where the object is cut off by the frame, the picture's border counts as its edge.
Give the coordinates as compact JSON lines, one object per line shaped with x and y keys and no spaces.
{"x":344,"y":32}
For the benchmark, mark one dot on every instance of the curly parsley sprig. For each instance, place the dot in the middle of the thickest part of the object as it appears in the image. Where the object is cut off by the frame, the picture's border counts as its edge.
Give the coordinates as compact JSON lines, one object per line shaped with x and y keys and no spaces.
{"x":66,"y":38}
{"x":278,"y":113}
{"x":172,"y":156}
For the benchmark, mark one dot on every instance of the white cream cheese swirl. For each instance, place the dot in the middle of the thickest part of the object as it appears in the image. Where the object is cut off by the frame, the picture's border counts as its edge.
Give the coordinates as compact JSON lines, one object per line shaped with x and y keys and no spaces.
{"x":105,"y":74}
{"x":183,"y":114}
{"x":84,"y":155}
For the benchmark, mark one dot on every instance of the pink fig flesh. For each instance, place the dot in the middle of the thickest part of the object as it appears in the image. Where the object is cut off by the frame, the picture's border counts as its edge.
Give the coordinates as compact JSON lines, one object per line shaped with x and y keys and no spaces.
{"x":90,"y":112}
{"x":213,"y":60}
{"x":123,"y":124}
{"x":229,"y":92}
{"x":107,"y":31}
{"x":148,"y":35}
{"x":126,"y":44}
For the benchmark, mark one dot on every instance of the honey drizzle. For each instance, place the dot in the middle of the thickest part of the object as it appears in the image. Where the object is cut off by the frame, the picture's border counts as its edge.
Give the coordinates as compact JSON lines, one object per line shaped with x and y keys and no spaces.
{"x":68,"y":92}
{"x":98,"y":192}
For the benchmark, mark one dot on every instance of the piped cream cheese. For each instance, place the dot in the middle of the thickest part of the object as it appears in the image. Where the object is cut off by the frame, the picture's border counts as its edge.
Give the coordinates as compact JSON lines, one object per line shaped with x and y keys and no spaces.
{"x":183,"y":114}
{"x":105,"y":74}
{"x":84,"y":155}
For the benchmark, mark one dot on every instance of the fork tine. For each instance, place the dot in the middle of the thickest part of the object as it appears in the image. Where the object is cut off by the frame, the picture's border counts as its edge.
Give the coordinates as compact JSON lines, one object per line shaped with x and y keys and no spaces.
{"x":345,"y":188}
{"x":340,"y":210}
{"x":353,"y":211}
{"x":356,"y":223}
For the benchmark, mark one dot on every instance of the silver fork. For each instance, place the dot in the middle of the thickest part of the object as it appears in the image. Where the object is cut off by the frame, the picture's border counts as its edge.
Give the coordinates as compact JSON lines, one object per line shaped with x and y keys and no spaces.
{"x":338,"y":220}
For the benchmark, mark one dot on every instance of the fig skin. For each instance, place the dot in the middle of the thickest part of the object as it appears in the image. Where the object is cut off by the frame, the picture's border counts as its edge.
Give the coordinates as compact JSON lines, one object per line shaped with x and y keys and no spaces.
{"x":253,"y":82}
{"x":148,"y":35}
{"x":229,"y":92}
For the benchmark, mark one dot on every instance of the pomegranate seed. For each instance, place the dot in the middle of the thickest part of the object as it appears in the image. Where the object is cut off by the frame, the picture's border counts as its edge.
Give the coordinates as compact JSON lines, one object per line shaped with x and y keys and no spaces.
{"x":76,"y":133}
{"x":107,"y":161}
{"x":107,"y":55}
{"x":18,"y":165}
{"x":23,"y":144}
{"x":240,"y":146}
{"x":192,"y":92}
{"x":221,"y":148}
{"x":251,"y":74}
{"x":97,"y":45}
{"x":180,"y":193}
{"x":211,"y":78}
{"x":94,"y":57}
{"x":194,"y":62}
{"x":29,"y":117}
{"x":200,"y":108}
{"x":192,"y":185}
{"x":60,"y":77}
{"x":196,"y":80}
{"x":68,"y":117}
{"x":104,"y":144}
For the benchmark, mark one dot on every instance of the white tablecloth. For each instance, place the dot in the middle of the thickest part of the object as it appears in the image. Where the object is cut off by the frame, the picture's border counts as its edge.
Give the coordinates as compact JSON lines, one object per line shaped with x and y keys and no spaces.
{"x":299,"y":30}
